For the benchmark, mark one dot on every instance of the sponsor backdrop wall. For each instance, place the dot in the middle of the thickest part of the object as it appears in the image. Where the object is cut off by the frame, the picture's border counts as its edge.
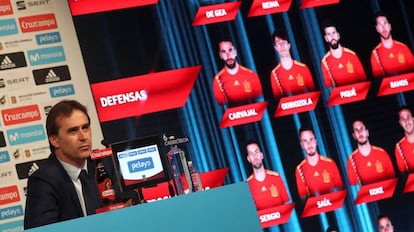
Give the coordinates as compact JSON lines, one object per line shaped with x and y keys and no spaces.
{"x":151,"y":65}
{"x":40,"y":64}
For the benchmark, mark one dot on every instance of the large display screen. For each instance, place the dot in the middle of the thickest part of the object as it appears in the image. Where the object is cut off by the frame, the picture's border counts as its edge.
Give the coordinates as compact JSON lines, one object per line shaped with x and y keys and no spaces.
{"x":318,"y":85}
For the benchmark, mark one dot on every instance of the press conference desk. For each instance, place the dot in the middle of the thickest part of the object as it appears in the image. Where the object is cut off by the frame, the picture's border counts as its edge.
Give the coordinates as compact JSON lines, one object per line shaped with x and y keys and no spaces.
{"x":227,"y":208}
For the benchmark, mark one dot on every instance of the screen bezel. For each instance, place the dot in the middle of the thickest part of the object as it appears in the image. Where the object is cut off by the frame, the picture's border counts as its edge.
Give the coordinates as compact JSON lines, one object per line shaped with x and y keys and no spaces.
{"x":133,"y":144}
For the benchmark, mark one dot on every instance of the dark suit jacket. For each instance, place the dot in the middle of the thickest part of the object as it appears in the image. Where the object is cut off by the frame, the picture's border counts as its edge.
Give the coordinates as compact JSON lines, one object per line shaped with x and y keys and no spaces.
{"x":51,"y":195}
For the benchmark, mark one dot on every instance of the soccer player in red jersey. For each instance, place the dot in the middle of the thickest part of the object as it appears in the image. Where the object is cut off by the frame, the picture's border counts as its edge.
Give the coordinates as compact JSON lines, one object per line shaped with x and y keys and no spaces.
{"x":389,"y":57}
{"x":367,"y":164}
{"x":235,"y":84}
{"x":289,"y":77}
{"x":316,"y":174}
{"x":404,"y":149}
{"x":267,"y":187}
{"x":340,"y":66}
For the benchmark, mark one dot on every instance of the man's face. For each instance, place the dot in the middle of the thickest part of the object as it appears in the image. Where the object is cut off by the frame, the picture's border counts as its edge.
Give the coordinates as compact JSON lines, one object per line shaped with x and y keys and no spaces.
{"x":332,"y":37}
{"x":360,"y":133}
{"x":308,"y":142}
{"x":406,"y":121}
{"x":228,"y":53}
{"x":73,"y":141}
{"x":254,"y":155}
{"x":383,"y":27}
{"x":385,"y":225}
{"x":282,"y":47}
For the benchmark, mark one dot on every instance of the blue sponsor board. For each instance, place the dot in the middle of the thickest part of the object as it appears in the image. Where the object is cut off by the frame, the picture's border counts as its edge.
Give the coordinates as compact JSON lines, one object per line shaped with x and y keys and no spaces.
{"x":8,"y":27}
{"x":61,"y":91}
{"x":48,"y":38}
{"x":27,"y":134}
{"x":4,"y":157}
{"x":46,"y":55}
{"x":11,"y":212}
{"x":140,"y":165}
{"x":16,"y":226}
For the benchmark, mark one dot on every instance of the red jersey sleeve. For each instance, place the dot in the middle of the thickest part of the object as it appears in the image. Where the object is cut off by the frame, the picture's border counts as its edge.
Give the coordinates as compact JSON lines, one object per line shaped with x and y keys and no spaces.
{"x":359,"y":69}
{"x":389,"y":169}
{"x":308,"y":79}
{"x":300,"y":181}
{"x":326,"y":75}
{"x":351,"y":169}
{"x":283,"y":192}
{"x":218,"y":90}
{"x":337,"y":177}
{"x":398,"y":157}
{"x":275,"y":83}
{"x":377,"y":69}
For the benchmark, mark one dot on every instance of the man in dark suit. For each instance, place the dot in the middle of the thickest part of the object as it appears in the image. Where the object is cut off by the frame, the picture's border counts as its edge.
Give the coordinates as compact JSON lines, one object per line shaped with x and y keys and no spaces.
{"x":55,"y":192}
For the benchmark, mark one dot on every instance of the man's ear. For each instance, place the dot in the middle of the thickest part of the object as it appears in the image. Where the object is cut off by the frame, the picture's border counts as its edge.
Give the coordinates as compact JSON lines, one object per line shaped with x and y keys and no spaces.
{"x":53,"y":140}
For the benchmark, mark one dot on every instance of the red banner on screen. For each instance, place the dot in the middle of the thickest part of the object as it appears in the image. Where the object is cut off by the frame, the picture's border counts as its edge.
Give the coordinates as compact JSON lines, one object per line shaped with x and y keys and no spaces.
{"x":264,"y":7}
{"x":275,"y":215}
{"x":243,"y":114}
{"x":324,"y":203}
{"x":396,"y":84}
{"x":139,"y":95}
{"x":80,"y":7}
{"x":376,"y":191}
{"x":349,"y":93}
{"x":216,"y":13}
{"x":212,"y":179}
{"x":297,"y":104}
{"x":315,"y":3}
{"x":409,"y":184}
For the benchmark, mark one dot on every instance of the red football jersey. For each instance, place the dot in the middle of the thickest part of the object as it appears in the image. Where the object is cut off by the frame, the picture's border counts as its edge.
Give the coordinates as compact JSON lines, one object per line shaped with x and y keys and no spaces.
{"x":391,"y":61}
{"x":238,"y":88}
{"x":404,"y":154}
{"x":345,"y":70}
{"x":375,"y":167}
{"x":319,"y":179}
{"x":270,"y":192}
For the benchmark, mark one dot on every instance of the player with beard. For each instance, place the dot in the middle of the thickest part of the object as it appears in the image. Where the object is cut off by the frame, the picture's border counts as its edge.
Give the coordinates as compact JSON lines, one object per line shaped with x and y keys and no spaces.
{"x":389,"y":57}
{"x":404,"y":149}
{"x":267,"y":187}
{"x":289,"y":77}
{"x":235,"y":84}
{"x":340,"y":66}
{"x":316,"y":174}
{"x":367,"y":164}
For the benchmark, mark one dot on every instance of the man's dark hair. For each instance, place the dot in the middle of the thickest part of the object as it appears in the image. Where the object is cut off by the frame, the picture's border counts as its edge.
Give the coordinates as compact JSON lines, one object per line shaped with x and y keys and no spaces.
{"x":380,"y":14}
{"x":328,"y":23}
{"x":360,"y":120}
{"x":62,"y":108}
{"x":224,"y":38}
{"x":252,"y":141}
{"x":280,"y":34}
{"x":404,"y":107}
{"x":305,"y":128}
{"x":381,"y":216}
{"x":332,"y":229}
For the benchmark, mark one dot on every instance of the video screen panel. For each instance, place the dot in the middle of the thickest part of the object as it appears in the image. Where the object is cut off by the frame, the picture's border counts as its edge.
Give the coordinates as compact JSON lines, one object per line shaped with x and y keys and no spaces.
{"x":139,"y":163}
{"x":341,"y":113}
